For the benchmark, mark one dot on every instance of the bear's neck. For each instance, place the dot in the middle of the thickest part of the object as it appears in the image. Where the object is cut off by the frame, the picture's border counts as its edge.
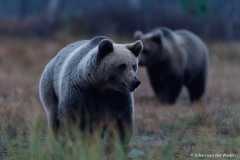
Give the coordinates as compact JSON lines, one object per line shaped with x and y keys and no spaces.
{"x":153,"y":70}
{"x":158,"y":67}
{"x":86,"y":72}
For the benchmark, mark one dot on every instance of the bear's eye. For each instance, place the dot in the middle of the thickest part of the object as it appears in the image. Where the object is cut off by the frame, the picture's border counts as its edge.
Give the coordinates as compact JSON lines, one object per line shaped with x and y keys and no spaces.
{"x":134,"y":67}
{"x":122,"y":66}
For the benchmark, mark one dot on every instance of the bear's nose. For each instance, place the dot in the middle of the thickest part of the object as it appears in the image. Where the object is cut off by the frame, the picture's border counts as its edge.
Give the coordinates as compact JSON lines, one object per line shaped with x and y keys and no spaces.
{"x":135,"y":83}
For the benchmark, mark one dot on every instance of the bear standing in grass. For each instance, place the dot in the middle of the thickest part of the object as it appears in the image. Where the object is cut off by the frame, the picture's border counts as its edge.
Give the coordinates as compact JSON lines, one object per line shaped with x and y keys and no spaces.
{"x":89,"y":84}
{"x":174,"y":59}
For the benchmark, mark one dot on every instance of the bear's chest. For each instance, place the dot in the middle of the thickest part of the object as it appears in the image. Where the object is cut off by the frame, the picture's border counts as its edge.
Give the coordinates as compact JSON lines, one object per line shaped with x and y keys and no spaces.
{"x":106,"y":106}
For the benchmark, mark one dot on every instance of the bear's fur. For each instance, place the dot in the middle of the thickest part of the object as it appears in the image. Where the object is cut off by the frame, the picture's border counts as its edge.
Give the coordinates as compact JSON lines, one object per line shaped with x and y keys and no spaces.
{"x":174,"y":59}
{"x":89,"y":83}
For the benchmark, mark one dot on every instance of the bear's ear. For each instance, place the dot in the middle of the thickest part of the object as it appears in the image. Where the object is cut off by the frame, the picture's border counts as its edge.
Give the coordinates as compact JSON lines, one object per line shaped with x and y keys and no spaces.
{"x":157,"y":37}
{"x":105,"y":47}
{"x":137,"y":35}
{"x":135,"y":47}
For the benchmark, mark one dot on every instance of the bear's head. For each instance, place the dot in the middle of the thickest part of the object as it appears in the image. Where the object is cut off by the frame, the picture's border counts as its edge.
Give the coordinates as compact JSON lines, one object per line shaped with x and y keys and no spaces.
{"x":117,"y":65}
{"x":153,"y":51}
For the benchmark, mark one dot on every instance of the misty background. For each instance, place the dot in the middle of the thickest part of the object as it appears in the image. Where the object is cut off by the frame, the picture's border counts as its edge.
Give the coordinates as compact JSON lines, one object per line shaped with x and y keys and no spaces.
{"x":210,"y":19}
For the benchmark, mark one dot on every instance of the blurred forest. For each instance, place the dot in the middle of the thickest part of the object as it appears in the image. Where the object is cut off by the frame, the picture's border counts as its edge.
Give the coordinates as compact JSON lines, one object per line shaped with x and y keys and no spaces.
{"x":210,"y":19}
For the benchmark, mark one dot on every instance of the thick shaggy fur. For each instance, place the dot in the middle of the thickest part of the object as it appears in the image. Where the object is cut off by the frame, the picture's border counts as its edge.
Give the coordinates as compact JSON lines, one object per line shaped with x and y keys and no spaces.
{"x":174,"y":59}
{"x":89,"y":85}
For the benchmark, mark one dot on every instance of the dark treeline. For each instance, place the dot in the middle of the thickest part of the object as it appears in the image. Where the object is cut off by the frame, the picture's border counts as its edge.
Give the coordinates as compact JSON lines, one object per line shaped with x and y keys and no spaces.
{"x":211,"y":19}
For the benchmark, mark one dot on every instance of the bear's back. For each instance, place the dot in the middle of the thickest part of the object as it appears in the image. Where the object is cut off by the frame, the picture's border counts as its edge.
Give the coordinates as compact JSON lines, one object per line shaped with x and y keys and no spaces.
{"x":66,"y":61}
{"x":193,"y":44}
{"x":63,"y":54}
{"x":191,"y":39}
{"x":196,"y":50}
{"x":79,"y":49}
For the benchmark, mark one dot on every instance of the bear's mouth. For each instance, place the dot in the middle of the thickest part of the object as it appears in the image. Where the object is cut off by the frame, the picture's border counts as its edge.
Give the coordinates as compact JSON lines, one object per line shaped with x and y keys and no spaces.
{"x":131,"y":89}
{"x":126,"y":88}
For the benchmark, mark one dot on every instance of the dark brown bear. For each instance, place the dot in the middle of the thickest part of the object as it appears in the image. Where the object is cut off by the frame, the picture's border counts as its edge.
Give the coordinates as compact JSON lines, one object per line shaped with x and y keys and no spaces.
{"x":174,"y":59}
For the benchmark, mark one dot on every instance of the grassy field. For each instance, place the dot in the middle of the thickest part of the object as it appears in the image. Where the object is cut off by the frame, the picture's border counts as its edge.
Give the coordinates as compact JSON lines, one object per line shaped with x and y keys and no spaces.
{"x":209,"y":129}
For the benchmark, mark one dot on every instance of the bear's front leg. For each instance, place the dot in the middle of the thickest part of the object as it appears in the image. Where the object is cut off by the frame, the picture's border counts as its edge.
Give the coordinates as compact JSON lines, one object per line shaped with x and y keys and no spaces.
{"x":172,"y":89}
{"x":117,"y":135}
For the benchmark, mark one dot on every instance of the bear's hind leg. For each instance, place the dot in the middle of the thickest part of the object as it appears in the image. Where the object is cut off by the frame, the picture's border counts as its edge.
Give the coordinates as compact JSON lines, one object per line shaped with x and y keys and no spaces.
{"x":50,"y":103}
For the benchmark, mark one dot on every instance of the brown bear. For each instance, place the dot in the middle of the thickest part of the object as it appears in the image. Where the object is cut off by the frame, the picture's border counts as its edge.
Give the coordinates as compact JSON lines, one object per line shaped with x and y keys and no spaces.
{"x":174,"y":59}
{"x":90,"y":84}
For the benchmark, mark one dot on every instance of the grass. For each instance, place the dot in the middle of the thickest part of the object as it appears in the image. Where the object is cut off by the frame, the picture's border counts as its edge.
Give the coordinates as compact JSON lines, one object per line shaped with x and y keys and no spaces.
{"x":182,"y":131}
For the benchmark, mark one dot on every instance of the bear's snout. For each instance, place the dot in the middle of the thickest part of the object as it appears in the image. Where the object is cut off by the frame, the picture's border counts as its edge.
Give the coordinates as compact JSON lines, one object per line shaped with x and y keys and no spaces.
{"x":135,"y":83}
